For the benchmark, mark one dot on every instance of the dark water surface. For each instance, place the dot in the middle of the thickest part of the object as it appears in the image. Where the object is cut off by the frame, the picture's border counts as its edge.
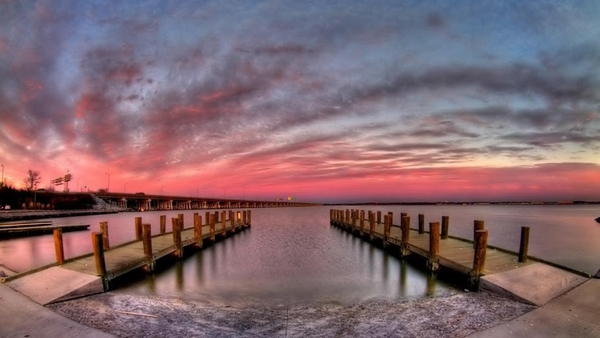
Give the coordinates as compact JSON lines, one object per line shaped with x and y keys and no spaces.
{"x":293,"y":254}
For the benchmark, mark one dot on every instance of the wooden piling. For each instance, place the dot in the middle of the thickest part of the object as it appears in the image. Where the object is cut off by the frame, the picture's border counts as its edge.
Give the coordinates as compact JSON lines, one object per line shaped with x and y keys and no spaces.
{"x":180,"y":216}
{"x":104,"y":231}
{"x":58,"y":246}
{"x":147,"y":244}
{"x":212,"y":226}
{"x":421,"y":223}
{"x":371,"y":225}
{"x":445,"y":224}
{"x":378,"y":217}
{"x":198,"y":229}
{"x":138,"y":228}
{"x":163,"y":224}
{"x":477,"y":225}
{"x":386,"y":233}
{"x":524,"y":244}
{"x":176,"y":223}
{"x":249,"y":220}
{"x":481,"y":237}
{"x":405,"y":228}
{"x":434,"y":246}
{"x":99,"y":254}
{"x":223,"y":223}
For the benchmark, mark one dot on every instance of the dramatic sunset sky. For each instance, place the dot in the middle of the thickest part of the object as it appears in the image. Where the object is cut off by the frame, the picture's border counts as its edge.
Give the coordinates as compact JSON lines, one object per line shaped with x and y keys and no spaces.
{"x":322,"y":100}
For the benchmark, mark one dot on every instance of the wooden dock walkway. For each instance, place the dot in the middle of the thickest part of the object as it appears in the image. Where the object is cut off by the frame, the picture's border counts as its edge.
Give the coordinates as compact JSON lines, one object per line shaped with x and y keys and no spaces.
{"x":109,"y":263}
{"x":438,"y":248}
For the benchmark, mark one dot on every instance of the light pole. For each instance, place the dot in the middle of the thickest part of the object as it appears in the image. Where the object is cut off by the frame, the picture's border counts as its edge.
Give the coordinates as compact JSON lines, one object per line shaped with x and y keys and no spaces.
{"x":108,"y":182}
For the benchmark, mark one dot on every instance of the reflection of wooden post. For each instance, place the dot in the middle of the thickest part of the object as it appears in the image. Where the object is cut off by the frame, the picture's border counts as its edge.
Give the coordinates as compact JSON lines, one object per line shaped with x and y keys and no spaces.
{"x":104,"y":230}
{"x":138,"y":228}
{"x":445,"y":224}
{"x":163,"y":224}
{"x":524,"y":245}
{"x":147,"y":243}
{"x":58,"y":246}
{"x":477,"y":225}
{"x":99,"y":254}
{"x":434,"y":246}
{"x":421,"y":223}
{"x":481,"y":237}
{"x":198,"y":229}
{"x":176,"y":224}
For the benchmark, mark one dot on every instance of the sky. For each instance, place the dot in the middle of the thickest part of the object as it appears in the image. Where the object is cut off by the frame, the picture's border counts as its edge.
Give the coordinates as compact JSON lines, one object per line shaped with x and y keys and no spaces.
{"x":325,"y":101}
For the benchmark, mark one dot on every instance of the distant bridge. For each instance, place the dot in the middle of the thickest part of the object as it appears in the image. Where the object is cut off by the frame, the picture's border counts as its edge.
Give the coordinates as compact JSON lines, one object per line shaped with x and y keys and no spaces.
{"x":141,"y":201}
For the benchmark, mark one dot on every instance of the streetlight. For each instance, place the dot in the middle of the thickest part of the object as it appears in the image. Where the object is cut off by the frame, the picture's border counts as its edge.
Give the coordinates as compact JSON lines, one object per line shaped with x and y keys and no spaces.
{"x":108,"y":183}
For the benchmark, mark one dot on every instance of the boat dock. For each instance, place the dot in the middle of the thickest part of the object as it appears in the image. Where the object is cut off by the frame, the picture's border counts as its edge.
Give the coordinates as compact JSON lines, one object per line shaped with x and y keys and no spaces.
{"x":516,"y":275}
{"x":30,"y":228}
{"x":94,"y":272}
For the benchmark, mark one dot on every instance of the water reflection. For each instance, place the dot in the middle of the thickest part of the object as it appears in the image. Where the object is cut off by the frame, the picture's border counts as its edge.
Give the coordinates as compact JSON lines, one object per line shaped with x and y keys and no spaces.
{"x":291,"y":255}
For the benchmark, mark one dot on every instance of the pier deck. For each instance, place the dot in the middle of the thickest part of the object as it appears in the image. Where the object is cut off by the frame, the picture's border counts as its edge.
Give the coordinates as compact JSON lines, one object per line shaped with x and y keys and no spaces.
{"x":94,"y":273}
{"x":454,"y":253}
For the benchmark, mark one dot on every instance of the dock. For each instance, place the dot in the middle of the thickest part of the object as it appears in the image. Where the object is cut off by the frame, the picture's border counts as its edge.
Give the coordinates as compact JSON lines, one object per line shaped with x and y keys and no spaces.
{"x":515,"y":275}
{"x":96,"y":271}
{"x":31,"y":228}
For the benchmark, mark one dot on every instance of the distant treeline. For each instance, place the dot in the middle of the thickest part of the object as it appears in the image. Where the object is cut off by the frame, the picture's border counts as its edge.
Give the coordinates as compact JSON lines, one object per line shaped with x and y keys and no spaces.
{"x":45,"y":200}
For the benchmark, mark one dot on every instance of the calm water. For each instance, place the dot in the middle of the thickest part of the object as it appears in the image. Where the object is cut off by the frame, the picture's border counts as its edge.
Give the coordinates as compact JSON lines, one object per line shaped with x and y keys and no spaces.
{"x":292,"y":254}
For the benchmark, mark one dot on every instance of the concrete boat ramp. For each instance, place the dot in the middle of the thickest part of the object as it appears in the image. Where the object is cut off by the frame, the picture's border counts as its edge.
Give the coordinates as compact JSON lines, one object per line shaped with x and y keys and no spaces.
{"x":568,"y":304}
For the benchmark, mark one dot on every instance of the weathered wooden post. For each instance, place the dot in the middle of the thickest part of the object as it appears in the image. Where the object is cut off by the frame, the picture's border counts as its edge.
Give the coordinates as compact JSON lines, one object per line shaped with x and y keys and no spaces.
{"x":198,"y":229}
{"x":362,"y":221}
{"x":104,"y":231}
{"x":421,"y":223}
{"x":138,"y":228}
{"x":249,"y":220}
{"x":58,"y":246}
{"x":223,"y":223}
{"x":245,"y":216}
{"x":405,"y":228}
{"x":391,"y":216}
{"x":176,"y":224}
{"x":99,"y":256}
{"x":477,"y":225}
{"x":371,"y":225}
{"x":378,"y":217}
{"x":212,"y":227}
{"x":386,"y":220}
{"x":207,"y":217}
{"x":347,"y":219}
{"x":216,"y":217}
{"x":354,"y":215}
{"x":180,"y":216}
{"x":163,"y":224}
{"x":434,"y":246}
{"x":524,"y":244}
{"x":445,"y":224}
{"x":481,"y":237}
{"x":147,"y":243}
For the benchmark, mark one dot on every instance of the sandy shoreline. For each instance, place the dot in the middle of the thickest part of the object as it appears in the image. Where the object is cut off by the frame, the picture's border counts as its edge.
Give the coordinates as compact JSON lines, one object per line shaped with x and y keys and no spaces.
{"x":449,"y":316}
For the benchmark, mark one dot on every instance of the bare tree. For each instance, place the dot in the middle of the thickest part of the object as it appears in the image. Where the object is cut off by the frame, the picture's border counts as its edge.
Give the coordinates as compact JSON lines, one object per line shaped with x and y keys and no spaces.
{"x":32,"y":180}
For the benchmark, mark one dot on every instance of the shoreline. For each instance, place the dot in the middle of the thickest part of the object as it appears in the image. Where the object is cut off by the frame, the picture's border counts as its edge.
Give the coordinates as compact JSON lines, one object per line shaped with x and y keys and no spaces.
{"x":456,"y":315}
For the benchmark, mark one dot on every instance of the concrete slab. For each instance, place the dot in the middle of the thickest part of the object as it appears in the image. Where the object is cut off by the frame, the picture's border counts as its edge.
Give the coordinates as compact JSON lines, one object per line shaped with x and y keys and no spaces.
{"x":575,"y":314}
{"x":22,"y":317}
{"x":56,"y":284}
{"x":534,"y":284}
